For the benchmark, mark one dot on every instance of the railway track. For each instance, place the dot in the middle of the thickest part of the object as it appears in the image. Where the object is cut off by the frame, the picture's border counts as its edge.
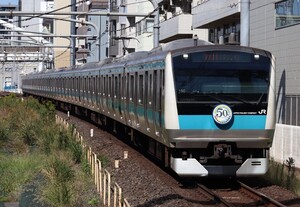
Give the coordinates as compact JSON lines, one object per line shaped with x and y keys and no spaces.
{"x":146,"y":184}
{"x":238,"y":194}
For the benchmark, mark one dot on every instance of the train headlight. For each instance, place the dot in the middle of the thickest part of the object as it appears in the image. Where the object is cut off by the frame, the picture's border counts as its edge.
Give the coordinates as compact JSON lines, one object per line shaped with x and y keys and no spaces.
{"x":185,"y":56}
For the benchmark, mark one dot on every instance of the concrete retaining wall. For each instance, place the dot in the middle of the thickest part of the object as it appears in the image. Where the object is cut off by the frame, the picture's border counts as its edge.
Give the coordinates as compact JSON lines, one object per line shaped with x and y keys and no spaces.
{"x":286,"y":144}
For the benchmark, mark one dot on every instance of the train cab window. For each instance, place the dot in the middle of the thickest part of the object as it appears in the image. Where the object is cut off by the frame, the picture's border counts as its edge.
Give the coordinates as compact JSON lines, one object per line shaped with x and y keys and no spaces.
{"x":221,"y":75}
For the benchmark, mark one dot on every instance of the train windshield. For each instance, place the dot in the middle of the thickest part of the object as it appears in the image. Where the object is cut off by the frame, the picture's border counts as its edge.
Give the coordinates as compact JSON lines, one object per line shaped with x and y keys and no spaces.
{"x":221,"y":76}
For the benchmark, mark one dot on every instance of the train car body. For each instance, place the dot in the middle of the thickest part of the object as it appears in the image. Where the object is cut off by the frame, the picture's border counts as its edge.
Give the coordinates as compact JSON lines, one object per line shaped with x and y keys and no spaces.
{"x":205,"y":109}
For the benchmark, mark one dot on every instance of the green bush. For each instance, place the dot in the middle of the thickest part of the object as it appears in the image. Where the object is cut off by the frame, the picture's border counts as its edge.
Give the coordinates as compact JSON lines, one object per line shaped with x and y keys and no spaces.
{"x":283,"y":175}
{"x":60,"y":175}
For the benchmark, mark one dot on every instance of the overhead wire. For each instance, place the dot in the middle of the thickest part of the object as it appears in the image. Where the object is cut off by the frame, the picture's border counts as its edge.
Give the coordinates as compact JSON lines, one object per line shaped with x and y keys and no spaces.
{"x":49,"y":12}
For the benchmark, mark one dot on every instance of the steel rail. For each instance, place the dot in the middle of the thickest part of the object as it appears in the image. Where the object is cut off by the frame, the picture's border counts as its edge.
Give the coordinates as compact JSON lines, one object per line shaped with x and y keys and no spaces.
{"x":261,"y":195}
{"x":216,"y":198}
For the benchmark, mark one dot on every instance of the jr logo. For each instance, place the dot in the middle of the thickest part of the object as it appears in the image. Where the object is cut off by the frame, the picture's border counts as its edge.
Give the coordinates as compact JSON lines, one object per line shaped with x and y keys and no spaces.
{"x":263,"y":111}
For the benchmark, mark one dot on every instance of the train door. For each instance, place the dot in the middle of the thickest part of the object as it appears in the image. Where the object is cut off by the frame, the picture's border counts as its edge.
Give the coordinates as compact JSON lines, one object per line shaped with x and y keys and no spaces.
{"x":73,"y":88}
{"x":60,"y":80}
{"x":149,"y":102}
{"x":157,"y":99}
{"x":132,"y":100}
{"x":77,"y":90}
{"x":101,"y":90}
{"x":125,"y":100}
{"x":81,"y":98}
{"x":85,"y":92}
{"x":141,"y":100}
{"x":63,"y":87}
{"x":105,"y":93}
{"x":109,"y":95}
{"x":89,"y":84}
{"x":82,"y":89}
{"x":117,"y":95}
{"x":92,"y":90}
{"x":67,"y":90}
{"x":122,"y":98}
{"x":97,"y":87}
{"x":113,"y":93}
{"x":89,"y":89}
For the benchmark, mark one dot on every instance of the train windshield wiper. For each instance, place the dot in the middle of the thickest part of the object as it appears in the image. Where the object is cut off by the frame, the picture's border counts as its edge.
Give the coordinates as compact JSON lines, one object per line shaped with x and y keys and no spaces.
{"x":260,"y":98}
{"x":215,"y":96}
{"x":239,"y":99}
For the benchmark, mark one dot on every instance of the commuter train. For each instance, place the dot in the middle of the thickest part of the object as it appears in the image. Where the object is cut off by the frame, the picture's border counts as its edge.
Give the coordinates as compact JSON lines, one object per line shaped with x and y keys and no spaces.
{"x":202,"y":109}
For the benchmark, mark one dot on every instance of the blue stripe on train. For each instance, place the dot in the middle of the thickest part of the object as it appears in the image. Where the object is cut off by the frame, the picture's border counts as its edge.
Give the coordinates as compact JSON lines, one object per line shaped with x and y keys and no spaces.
{"x":206,"y":122}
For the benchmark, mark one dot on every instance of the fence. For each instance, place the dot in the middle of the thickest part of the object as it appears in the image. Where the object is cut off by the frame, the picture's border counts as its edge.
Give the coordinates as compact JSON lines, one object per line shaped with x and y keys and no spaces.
{"x":110,"y":194}
{"x":286,"y":144}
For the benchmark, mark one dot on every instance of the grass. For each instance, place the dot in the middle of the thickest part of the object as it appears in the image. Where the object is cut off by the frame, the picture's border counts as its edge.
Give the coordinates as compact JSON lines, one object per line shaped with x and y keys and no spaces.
{"x":31,"y":146}
{"x":15,"y":172}
{"x":285,"y":175}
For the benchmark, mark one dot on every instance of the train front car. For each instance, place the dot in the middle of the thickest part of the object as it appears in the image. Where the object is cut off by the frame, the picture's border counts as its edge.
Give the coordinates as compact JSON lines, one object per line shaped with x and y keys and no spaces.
{"x":224,"y":97}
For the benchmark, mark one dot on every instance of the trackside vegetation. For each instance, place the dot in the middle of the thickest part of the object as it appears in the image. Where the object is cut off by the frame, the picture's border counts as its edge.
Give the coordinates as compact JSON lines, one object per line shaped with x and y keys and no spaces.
{"x":35,"y":151}
{"x":284,"y":174}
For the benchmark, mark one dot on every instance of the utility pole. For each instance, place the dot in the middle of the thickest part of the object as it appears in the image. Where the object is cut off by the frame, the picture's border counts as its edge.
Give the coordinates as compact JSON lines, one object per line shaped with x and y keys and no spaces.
{"x":73,"y":31}
{"x":245,"y":22}
{"x":156,"y":23}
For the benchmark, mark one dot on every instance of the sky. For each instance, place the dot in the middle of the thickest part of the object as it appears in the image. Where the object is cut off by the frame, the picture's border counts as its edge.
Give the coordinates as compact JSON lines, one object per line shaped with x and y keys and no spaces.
{"x":8,"y":1}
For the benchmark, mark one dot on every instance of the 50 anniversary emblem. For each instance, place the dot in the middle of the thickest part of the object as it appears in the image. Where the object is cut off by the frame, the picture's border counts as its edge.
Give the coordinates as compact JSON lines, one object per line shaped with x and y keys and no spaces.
{"x":222,"y":114}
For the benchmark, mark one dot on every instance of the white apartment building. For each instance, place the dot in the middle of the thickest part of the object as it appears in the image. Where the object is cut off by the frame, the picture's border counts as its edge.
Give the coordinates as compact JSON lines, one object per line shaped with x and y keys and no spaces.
{"x":176,"y":21}
{"x":21,"y":51}
{"x":130,"y":34}
{"x":124,"y":35}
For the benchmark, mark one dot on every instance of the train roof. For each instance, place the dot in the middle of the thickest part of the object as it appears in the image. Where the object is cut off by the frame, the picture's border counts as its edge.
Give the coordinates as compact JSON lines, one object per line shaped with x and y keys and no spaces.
{"x":175,"y":47}
{"x":182,"y":43}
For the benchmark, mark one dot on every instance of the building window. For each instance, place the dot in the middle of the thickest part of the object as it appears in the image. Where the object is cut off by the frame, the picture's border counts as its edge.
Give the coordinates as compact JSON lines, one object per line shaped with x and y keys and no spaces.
{"x":149,"y":25}
{"x":138,"y":29}
{"x":123,"y":26}
{"x":287,"y":13}
{"x":113,"y":32}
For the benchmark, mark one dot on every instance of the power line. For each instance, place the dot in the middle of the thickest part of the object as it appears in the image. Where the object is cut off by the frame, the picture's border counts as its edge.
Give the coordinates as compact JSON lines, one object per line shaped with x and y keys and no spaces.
{"x":50,"y":12}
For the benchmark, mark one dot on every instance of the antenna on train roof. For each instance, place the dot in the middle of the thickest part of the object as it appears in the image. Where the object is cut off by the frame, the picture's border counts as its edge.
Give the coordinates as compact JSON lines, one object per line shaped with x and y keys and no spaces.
{"x":195,"y":38}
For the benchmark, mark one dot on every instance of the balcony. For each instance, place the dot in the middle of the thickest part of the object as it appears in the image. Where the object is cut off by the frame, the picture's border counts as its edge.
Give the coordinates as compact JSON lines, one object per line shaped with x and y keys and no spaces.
{"x":177,"y":27}
{"x":214,"y":13}
{"x":99,"y":4}
{"x":82,"y":54}
{"x":83,"y":7}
